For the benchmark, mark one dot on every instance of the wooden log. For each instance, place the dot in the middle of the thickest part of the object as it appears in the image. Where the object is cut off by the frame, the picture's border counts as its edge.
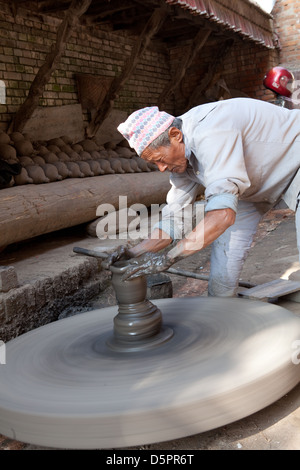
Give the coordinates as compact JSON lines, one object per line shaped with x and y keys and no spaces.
{"x":216,"y":63}
{"x":182,"y":71}
{"x":31,"y":210}
{"x":69,"y":23}
{"x":151,"y":28}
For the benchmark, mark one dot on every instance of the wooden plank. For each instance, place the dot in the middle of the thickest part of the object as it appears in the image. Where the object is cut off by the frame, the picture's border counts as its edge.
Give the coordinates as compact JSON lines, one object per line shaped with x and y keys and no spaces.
{"x":49,"y":122}
{"x":68,"y":24}
{"x":182,"y":71}
{"x":216,"y":62}
{"x":271,"y":290}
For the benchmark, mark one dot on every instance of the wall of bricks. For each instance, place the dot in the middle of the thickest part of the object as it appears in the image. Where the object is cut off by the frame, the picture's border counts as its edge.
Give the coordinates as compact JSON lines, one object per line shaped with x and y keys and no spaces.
{"x":287,"y":26}
{"x":242,"y":68}
{"x":26,"y":38}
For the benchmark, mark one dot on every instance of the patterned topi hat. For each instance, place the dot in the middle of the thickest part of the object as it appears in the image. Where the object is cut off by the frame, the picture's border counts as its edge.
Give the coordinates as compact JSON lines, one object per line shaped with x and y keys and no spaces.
{"x":143,"y":126}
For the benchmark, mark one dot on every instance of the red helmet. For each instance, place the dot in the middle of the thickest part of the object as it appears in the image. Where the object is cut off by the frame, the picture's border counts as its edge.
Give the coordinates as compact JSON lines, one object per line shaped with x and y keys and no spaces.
{"x":279,"y":80}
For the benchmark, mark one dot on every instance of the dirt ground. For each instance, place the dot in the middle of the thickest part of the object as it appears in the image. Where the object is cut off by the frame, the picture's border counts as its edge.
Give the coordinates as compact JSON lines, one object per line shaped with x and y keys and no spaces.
{"x":273,"y":255}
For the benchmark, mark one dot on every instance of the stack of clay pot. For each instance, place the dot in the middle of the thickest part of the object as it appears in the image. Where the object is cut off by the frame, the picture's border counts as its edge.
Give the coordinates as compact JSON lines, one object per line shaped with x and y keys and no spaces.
{"x":60,"y":158}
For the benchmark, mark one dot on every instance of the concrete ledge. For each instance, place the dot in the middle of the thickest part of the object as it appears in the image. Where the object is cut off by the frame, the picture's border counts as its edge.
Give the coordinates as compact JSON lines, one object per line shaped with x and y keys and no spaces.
{"x":32,"y":305}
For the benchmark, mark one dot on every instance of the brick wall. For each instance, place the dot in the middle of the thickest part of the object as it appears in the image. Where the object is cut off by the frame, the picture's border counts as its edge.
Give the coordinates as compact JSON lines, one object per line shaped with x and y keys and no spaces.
{"x":242,"y":69}
{"x":246,"y":67}
{"x":26,"y":38}
{"x":287,"y":26}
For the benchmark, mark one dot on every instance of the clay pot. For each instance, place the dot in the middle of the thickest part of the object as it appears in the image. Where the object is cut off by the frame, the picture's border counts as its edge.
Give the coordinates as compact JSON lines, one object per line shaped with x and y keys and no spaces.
{"x":74,"y":170}
{"x":77,"y":148}
{"x":42,"y":150}
{"x":37,"y":174}
{"x":134,"y":166}
{"x":25,"y":161}
{"x":152,"y":166}
{"x":51,"y":172}
{"x":105,"y":165}
{"x":4,"y":138}
{"x":7,"y":152}
{"x":73,"y":156}
{"x":24,"y":148}
{"x":141,"y":163}
{"x":124,"y":152}
{"x":50,"y":157}
{"x":88,"y":145}
{"x":57,"y":141}
{"x":62,"y":169}
{"x":85,"y":168}
{"x":66,"y":139}
{"x":95,"y":167}
{"x":66,"y":149}
{"x":54,"y":149}
{"x":84,"y":156}
{"x":116,"y":165}
{"x":23,"y":178}
{"x":138,"y":320}
{"x":16,"y":136}
{"x":112,"y":153}
{"x":38,"y":160}
{"x":102,"y":153}
{"x":127,"y":292}
{"x":63,"y":157}
{"x":126,"y":165}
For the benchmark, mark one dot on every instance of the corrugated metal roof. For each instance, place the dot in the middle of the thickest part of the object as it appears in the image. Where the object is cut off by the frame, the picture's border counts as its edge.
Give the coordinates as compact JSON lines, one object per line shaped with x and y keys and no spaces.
{"x":229,"y":19}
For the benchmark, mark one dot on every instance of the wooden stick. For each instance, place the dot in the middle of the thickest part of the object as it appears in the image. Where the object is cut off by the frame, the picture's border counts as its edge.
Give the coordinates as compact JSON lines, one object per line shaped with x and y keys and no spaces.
{"x":152,"y":27}
{"x":69,"y":23}
{"x":193,"y":50}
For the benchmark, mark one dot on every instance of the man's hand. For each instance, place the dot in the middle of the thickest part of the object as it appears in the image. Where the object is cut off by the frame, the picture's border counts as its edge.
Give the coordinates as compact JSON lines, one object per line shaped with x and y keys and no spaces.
{"x":122,"y":252}
{"x":147,"y":263}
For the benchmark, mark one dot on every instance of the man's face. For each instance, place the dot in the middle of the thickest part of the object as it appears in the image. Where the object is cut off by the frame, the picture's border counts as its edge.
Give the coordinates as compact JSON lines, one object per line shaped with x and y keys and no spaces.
{"x":170,"y":157}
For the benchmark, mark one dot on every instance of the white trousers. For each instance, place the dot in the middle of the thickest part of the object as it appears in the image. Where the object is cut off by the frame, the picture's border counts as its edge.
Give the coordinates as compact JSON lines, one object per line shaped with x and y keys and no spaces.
{"x":230,"y":250}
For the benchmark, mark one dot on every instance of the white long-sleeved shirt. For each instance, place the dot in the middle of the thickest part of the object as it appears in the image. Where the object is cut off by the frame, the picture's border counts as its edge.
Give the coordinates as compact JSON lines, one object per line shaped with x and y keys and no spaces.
{"x":240,"y":148}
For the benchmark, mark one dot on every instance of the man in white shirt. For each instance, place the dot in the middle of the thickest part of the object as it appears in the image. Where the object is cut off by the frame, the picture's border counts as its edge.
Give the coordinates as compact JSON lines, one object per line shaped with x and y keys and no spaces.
{"x":245,"y":152}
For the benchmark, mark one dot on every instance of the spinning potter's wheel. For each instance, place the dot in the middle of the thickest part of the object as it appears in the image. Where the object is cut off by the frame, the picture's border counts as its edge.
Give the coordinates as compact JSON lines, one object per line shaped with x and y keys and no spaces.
{"x":202,"y":363}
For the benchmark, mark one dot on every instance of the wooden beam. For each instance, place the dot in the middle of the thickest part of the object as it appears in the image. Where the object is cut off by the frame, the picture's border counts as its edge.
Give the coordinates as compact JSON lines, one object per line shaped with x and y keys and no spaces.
{"x":151,"y":28}
{"x":69,"y":23}
{"x":48,"y":6}
{"x":193,"y":50}
{"x":102,"y":11}
{"x":208,"y":78}
{"x":122,"y":20}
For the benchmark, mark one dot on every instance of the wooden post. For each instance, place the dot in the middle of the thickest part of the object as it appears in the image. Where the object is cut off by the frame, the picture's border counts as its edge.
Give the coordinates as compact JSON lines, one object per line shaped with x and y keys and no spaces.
{"x":76,"y":10}
{"x":194,"y":48}
{"x":151,"y":28}
{"x":207,"y":79}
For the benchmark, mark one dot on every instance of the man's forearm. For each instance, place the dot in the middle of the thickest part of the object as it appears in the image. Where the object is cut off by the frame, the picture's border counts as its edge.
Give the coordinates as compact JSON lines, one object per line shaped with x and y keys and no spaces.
{"x":157,"y":241}
{"x":207,"y":231}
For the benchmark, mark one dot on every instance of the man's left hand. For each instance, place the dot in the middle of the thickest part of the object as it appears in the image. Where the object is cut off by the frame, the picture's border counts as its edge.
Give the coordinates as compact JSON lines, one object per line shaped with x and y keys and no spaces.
{"x":147,"y":263}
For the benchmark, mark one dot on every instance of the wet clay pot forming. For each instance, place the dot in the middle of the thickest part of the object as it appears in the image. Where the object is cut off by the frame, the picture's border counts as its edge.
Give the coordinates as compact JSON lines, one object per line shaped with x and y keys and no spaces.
{"x":138,"y":324}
